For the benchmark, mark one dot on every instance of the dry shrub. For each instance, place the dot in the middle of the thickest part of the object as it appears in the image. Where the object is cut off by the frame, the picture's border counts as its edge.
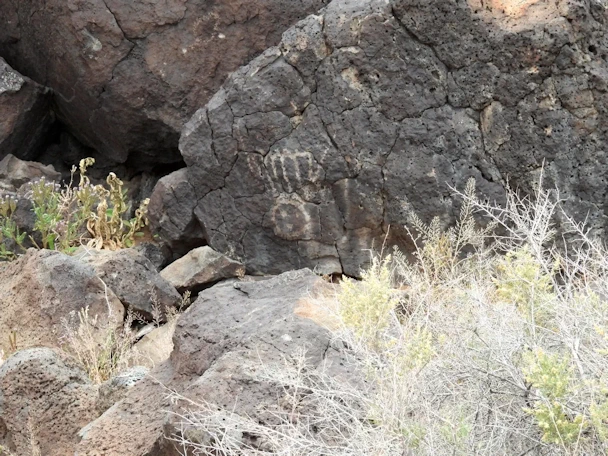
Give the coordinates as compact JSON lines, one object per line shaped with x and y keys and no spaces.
{"x":102,"y":350}
{"x":484,"y":344}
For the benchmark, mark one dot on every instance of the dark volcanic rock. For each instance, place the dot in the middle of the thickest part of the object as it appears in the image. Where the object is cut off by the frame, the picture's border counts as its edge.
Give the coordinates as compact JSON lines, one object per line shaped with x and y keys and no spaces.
{"x":220,"y":342}
{"x":134,"y":280}
{"x":128,"y":73}
{"x":25,"y":115}
{"x":199,"y":268}
{"x":15,"y":172}
{"x":371,"y":109}
{"x":41,"y":289}
{"x":171,"y":213}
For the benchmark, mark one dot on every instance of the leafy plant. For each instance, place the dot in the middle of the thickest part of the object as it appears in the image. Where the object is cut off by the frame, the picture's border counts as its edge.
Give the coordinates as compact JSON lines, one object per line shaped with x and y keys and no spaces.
{"x":68,"y":216}
{"x":9,"y":231}
{"x":108,"y":226}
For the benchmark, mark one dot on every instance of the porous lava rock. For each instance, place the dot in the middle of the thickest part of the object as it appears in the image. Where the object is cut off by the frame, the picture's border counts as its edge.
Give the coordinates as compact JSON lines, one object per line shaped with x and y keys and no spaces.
{"x":372,"y":109}
{"x":45,"y":399}
{"x":127,"y":74}
{"x":42,"y":289}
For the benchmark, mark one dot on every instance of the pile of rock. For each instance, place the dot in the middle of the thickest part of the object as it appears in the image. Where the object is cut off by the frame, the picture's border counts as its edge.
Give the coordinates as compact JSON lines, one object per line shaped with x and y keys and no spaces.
{"x":327,"y":132}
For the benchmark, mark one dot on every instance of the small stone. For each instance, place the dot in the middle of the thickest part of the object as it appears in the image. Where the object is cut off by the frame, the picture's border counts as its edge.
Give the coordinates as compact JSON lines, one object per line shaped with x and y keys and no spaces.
{"x":201,"y":267}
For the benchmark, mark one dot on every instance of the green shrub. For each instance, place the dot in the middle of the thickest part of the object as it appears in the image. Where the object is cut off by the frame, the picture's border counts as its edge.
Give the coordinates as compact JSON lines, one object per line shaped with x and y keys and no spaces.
{"x":69,"y":216}
{"x":9,"y":231}
{"x":367,"y":306}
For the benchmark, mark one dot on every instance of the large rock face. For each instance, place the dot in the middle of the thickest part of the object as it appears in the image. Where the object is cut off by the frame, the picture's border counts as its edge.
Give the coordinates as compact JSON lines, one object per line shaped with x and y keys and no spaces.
{"x":219,"y":344}
{"x":128,"y":73}
{"x":370,"y":109}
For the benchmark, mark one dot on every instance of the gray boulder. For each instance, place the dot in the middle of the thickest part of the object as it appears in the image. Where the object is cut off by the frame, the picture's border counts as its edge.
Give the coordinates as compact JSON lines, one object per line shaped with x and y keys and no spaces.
{"x":25,"y":114}
{"x":157,"y":254}
{"x":41,"y":289}
{"x":134,"y":280}
{"x":156,"y":345}
{"x":219,"y":342}
{"x":45,"y":398}
{"x":116,"y":388}
{"x":16,"y":172}
{"x":171,"y":214}
{"x":372,"y":109}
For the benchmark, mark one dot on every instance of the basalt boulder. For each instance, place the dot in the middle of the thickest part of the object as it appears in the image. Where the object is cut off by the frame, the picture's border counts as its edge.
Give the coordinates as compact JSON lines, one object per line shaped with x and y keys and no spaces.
{"x":127,"y":74}
{"x":373,"y":109}
{"x":134,"y":280}
{"x":38,"y":387}
{"x":25,"y":114}
{"x":41,"y":290}
{"x":201,"y":268}
{"x":15,"y":172}
{"x":220,"y":344}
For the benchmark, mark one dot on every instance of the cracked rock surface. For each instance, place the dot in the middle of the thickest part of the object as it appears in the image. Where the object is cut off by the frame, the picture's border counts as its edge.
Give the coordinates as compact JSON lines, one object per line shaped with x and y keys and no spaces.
{"x":127,"y":74}
{"x":370,"y":109}
{"x":219,"y":342}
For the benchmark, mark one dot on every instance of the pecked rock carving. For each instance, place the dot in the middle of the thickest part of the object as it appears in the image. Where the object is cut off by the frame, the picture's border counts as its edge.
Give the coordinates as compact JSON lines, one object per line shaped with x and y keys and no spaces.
{"x":370,"y":109}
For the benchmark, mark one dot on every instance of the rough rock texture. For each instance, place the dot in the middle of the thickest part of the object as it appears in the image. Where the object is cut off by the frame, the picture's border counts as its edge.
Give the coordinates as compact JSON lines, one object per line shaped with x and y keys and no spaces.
{"x":200,"y":267}
{"x":115,"y":389}
{"x":156,"y":346}
{"x":157,"y":254}
{"x":25,"y":115}
{"x":128,"y":73}
{"x":16,"y":172}
{"x":45,"y":399}
{"x":133,"y":278}
{"x":219,"y":342}
{"x":43,"y":287}
{"x":171,"y":213}
{"x":370,"y":109}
